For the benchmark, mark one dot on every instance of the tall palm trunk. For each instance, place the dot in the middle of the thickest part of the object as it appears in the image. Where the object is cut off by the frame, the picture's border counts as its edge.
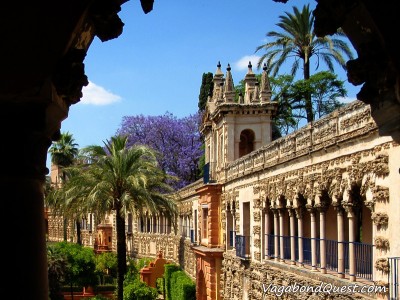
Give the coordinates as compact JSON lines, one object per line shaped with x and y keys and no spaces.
{"x":307,"y":96}
{"x":78,"y":232}
{"x":121,"y":253}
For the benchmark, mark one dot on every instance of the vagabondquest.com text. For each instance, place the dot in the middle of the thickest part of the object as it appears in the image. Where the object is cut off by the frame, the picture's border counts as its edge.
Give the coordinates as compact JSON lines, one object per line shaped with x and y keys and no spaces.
{"x":326,"y":288}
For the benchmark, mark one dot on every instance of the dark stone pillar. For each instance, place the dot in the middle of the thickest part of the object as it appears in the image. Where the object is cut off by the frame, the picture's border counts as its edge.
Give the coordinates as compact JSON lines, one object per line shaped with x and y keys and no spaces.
{"x":26,"y":136}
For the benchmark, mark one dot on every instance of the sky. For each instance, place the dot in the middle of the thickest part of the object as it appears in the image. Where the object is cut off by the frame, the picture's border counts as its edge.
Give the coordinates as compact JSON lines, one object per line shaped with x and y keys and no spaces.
{"x":156,"y":65}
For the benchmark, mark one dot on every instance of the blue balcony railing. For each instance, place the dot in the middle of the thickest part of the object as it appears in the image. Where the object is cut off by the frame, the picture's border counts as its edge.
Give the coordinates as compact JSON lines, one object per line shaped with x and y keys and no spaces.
{"x":362,"y":257}
{"x":231,"y":237}
{"x":192,"y":237}
{"x":242,"y":245}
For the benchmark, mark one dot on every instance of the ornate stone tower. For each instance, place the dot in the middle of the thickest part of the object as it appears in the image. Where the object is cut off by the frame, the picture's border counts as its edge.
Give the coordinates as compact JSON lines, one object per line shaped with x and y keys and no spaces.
{"x":234,"y":128}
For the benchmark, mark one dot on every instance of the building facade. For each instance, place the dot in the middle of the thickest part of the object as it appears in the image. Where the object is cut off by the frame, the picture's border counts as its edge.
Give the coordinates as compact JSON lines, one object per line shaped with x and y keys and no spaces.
{"x":316,"y":208}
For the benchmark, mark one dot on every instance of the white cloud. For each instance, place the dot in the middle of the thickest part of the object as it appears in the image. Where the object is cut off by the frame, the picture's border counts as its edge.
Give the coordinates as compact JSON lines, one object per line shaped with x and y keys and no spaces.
{"x":97,"y":95}
{"x":242,"y":63}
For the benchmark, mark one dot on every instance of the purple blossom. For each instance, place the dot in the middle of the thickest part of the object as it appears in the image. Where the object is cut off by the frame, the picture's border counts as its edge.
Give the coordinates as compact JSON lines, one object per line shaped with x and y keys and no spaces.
{"x":177,"y":140}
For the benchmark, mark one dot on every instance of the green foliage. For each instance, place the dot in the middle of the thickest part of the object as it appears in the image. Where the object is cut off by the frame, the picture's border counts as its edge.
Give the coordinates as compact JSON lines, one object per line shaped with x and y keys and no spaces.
{"x":134,"y":288}
{"x":64,"y":150}
{"x":81,"y":266}
{"x":206,"y":88}
{"x":298,"y":44}
{"x":182,"y":287}
{"x":138,"y":290}
{"x":56,"y":267}
{"x":134,"y":267}
{"x":99,"y":297}
{"x":106,"y":265}
{"x":160,"y":285}
{"x":123,"y":179}
{"x":168,"y":270}
{"x":178,"y":285}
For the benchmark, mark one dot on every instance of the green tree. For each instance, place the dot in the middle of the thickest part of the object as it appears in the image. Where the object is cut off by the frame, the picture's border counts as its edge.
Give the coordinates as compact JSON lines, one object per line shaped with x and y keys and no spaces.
{"x":206,"y":88}
{"x":106,"y":265}
{"x":324,"y":89}
{"x":63,"y":154}
{"x":120,"y":179}
{"x":285,"y":119}
{"x":298,"y":42}
{"x":56,"y":270}
{"x":80,"y":268}
{"x":64,"y":151}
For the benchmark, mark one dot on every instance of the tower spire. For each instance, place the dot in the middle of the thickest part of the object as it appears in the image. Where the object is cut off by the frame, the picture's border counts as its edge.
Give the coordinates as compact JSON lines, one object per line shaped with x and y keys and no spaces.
{"x":249,"y":85}
{"x":265,"y":89}
{"x":229,"y":92}
{"x":218,"y":83}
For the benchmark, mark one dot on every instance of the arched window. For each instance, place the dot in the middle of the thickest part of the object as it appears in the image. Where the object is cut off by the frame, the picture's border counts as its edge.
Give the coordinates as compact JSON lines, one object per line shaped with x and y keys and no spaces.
{"x":246,"y":144}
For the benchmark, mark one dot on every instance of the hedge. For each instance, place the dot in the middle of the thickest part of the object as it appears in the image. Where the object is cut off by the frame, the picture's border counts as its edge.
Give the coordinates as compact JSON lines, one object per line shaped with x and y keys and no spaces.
{"x":178,"y":285}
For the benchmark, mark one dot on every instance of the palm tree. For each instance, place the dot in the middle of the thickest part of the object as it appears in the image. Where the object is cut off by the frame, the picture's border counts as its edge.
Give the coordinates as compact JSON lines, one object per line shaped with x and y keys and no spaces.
{"x":298,"y":41}
{"x":120,"y":179}
{"x":63,"y":153}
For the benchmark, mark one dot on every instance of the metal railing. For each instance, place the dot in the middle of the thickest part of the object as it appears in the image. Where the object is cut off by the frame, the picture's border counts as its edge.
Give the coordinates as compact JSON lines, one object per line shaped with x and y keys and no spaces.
{"x":363,"y":257}
{"x":363,"y":253}
{"x":208,"y":173}
{"x":270,"y":241}
{"x":394,"y":282}
{"x":242,"y":245}
{"x":231,"y":238}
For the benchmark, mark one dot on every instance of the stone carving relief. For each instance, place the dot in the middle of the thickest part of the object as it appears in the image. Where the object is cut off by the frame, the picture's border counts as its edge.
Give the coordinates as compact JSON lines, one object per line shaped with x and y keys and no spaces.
{"x":382,"y":243}
{"x":382,"y":264}
{"x":380,"y":219}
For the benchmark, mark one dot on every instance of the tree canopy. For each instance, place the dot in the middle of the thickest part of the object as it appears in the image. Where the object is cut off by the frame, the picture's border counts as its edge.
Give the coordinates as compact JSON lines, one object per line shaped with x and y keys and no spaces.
{"x":297,"y":43}
{"x":177,"y":140}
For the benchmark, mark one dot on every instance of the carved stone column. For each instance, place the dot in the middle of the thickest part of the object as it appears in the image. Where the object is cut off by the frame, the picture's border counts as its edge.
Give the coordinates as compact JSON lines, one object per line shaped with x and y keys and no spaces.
{"x":267,"y":232}
{"x":340,"y":239}
{"x":281,"y":240}
{"x":299,"y":215}
{"x":352,"y":255}
{"x":322,"y":208}
{"x":276,"y":233}
{"x":311,"y":210}
{"x":292,"y":236}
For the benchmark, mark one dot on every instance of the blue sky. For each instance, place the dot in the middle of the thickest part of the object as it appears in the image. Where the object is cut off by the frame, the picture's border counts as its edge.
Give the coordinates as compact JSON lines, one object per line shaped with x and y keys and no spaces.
{"x":156,"y":65}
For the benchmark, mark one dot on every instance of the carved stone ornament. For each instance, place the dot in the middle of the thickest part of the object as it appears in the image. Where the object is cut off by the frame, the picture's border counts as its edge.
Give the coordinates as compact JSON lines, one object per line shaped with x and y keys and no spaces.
{"x":257,"y":216}
{"x":382,"y":264}
{"x":380,"y":193}
{"x":380,"y":219}
{"x":382,"y":243}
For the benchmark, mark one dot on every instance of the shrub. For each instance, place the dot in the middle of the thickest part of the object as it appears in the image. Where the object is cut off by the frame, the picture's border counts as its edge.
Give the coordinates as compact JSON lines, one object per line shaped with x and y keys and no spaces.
{"x":138,"y":290}
{"x":178,"y":285}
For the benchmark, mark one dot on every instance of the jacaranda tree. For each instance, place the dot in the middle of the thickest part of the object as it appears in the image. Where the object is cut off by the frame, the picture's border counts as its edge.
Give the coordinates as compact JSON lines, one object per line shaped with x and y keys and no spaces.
{"x":178,"y":141}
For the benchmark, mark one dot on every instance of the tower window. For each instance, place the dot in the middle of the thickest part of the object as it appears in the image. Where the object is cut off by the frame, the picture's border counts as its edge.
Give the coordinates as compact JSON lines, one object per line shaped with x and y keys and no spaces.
{"x":246,"y":144}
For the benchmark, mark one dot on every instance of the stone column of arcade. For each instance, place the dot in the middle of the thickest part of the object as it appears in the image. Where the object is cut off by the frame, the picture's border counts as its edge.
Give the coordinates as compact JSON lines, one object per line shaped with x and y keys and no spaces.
{"x":26,"y":131}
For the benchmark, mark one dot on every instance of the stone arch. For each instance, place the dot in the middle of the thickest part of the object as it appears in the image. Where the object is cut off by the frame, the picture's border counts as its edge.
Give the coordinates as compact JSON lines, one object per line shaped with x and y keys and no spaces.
{"x":246,"y":143}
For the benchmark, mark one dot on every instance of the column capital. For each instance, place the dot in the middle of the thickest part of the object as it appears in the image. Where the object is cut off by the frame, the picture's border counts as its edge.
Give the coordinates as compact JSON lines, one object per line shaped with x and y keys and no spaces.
{"x":310,"y":208}
{"x":321,"y":207}
{"x":299,"y":212}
